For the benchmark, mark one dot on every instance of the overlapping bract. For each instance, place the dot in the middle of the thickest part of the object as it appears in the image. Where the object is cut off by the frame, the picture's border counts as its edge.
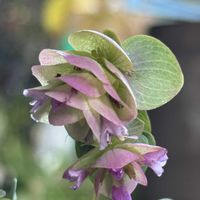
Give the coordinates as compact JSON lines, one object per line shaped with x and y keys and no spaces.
{"x":120,"y":167}
{"x":79,"y":89}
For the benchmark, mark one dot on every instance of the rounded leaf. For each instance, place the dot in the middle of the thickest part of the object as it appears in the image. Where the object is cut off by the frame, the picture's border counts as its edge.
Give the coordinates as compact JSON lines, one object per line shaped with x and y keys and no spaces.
{"x":157,"y":76}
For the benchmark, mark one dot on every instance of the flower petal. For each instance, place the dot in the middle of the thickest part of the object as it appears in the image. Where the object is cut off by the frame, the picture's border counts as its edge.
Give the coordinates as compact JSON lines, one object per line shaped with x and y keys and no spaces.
{"x":117,"y":173}
{"x":115,"y":158}
{"x":64,"y":115}
{"x":85,"y":83}
{"x":60,"y":93}
{"x":94,"y":122}
{"x":110,"y":129}
{"x":154,"y":157}
{"x":86,"y":63}
{"x":103,"y":106}
{"x":45,"y":73}
{"x":50,"y":57}
{"x":130,"y":184}
{"x":95,"y":68}
{"x":35,"y":93}
{"x":99,"y":177}
{"x":69,"y":96}
{"x":77,"y":176}
{"x":120,"y":193}
{"x":139,"y":174}
{"x":156,"y":160}
{"x":41,"y":104}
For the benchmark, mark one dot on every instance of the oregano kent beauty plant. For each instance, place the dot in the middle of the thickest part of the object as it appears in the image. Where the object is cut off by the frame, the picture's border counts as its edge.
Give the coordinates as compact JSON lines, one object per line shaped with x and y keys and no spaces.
{"x":100,"y":92}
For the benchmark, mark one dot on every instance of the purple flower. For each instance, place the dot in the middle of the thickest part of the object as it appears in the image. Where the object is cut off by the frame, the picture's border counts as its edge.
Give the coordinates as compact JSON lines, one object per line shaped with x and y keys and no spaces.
{"x":117,"y":170}
{"x":120,"y":193}
{"x":78,"y":91}
{"x":77,"y":176}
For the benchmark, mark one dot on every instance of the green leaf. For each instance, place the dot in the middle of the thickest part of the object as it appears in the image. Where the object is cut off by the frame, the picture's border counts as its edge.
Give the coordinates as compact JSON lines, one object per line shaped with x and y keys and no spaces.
{"x":102,"y":197}
{"x":112,"y":35}
{"x":82,"y":149}
{"x":78,"y":130}
{"x":140,"y":124}
{"x":88,"y":159}
{"x":157,"y":76}
{"x":147,"y":138}
{"x":136,"y":127}
{"x":142,"y":115}
{"x":90,"y":41}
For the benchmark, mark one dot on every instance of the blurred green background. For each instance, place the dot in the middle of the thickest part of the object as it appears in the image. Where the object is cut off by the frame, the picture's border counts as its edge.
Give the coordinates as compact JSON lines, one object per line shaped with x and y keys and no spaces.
{"x":38,"y":154}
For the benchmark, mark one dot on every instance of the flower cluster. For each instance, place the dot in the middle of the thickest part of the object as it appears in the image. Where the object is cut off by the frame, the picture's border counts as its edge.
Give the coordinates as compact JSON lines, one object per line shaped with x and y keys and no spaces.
{"x":89,"y":91}
{"x":77,"y":88}
{"x":117,"y":170}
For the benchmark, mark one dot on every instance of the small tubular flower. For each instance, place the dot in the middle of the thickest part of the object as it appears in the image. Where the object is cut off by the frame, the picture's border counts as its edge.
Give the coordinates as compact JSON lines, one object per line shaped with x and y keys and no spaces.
{"x":121,"y":167}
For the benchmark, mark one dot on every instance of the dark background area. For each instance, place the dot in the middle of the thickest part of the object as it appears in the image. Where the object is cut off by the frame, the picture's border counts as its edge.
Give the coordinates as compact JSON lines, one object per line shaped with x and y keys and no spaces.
{"x":177,"y":124}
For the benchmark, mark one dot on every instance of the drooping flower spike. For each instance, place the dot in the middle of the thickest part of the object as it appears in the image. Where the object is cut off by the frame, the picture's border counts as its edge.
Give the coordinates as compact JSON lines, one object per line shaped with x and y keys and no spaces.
{"x":117,"y":170}
{"x":78,"y":88}
{"x":100,"y":92}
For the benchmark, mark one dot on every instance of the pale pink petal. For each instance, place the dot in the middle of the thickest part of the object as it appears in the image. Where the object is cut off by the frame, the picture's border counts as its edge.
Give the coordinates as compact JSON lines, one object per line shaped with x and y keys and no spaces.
{"x":139,"y":174}
{"x":85,"y":83}
{"x":35,"y":93}
{"x":115,"y":158}
{"x":87,"y":64}
{"x":98,"y":181}
{"x":154,"y":157}
{"x":130,"y":184}
{"x":94,"y":122}
{"x":60,"y":93}
{"x":69,"y":96}
{"x":78,"y":100}
{"x":146,"y":148}
{"x":50,"y":57}
{"x":103,"y":106}
{"x":112,"y":92}
{"x":95,"y":68}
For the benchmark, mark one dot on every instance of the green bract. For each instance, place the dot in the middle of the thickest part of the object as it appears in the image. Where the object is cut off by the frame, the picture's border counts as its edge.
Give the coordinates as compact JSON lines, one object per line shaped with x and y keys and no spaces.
{"x":157,"y":77}
{"x":90,"y":41}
